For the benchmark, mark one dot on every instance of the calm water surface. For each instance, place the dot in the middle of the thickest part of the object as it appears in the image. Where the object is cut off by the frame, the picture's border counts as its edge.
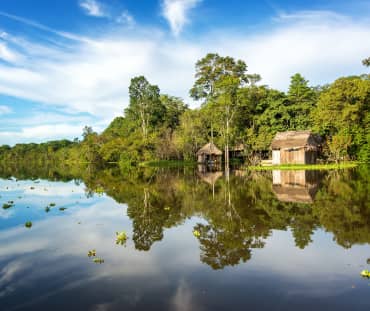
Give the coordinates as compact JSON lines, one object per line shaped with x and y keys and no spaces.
{"x":197,"y":240}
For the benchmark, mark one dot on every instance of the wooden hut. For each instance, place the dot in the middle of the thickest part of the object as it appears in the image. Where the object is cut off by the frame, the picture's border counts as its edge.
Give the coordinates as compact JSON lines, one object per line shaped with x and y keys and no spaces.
{"x":295,"y":147}
{"x":209,"y":153}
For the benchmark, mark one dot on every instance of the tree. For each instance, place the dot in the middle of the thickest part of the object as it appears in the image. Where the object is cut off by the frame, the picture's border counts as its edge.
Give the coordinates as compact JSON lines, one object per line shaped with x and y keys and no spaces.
{"x":145,"y":104}
{"x":211,"y":69}
{"x":302,"y":99}
{"x":218,"y":81}
{"x":366,"y":62}
{"x":342,"y":116}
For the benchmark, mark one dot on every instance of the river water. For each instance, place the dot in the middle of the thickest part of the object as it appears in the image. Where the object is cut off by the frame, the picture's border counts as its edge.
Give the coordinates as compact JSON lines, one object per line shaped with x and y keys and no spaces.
{"x":196,"y":240}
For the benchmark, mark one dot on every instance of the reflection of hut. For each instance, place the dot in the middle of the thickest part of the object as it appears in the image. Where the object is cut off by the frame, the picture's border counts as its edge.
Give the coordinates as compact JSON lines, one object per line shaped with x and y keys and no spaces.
{"x":209,"y":153}
{"x":210,"y":177}
{"x":295,"y":147}
{"x":295,"y":186}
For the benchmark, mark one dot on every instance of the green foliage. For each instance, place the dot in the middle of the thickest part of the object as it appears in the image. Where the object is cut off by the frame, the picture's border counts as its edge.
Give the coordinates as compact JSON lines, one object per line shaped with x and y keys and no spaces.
{"x":235,"y":110}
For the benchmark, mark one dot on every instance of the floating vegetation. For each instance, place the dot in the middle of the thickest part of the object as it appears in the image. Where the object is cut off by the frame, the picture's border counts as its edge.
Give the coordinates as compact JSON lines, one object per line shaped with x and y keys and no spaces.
{"x":91,"y":253}
{"x":52,"y":204}
{"x":32,"y":188}
{"x":167,"y":208}
{"x":368,"y":261}
{"x":28,"y":224}
{"x":98,"y":260}
{"x":121,"y":238}
{"x":196,"y":233}
{"x":99,"y":190}
{"x":365,"y":273}
{"x":11,"y":202}
{"x":7,"y":205}
{"x":47,"y":209}
{"x":62,"y":208}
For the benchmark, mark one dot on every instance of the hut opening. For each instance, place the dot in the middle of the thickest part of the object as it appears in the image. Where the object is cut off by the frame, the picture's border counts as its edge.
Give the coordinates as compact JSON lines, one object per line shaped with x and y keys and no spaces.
{"x":295,"y":147}
{"x":209,"y":154}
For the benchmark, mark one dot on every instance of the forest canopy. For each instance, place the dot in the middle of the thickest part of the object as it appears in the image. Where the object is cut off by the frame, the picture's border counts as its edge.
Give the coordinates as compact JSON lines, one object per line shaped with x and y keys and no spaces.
{"x":235,"y":109}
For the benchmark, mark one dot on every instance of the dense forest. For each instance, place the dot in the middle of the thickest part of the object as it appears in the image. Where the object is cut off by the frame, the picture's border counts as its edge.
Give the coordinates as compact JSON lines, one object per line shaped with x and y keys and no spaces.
{"x":235,"y":108}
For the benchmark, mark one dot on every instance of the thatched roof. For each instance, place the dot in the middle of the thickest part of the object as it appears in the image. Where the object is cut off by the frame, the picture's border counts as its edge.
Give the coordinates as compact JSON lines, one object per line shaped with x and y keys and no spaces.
{"x":209,"y":148}
{"x":239,"y":147}
{"x":296,"y":139}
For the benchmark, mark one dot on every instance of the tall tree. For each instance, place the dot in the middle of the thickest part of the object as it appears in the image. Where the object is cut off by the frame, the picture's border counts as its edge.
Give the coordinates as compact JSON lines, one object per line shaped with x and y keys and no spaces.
{"x":218,"y":80}
{"x":145,"y":104}
{"x":302,"y":99}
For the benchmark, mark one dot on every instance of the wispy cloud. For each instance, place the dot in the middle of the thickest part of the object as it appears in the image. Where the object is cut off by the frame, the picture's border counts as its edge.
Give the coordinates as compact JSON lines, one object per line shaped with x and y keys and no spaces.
{"x":4,"y":110}
{"x":93,"y":75}
{"x":92,"y":8}
{"x":176,"y":12}
{"x":126,"y":19}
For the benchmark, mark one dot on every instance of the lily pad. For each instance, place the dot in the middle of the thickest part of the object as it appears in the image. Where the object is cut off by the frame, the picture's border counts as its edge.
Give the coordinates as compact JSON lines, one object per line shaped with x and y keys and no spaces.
{"x":28,"y":224}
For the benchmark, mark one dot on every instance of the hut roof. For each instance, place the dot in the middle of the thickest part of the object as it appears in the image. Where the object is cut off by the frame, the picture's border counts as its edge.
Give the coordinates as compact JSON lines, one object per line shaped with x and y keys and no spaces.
{"x":296,"y":139}
{"x":209,"y":148}
{"x":239,"y":147}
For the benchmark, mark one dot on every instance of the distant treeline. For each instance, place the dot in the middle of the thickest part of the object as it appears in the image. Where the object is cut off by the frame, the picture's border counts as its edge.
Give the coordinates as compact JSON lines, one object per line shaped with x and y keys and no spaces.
{"x":234,"y":110}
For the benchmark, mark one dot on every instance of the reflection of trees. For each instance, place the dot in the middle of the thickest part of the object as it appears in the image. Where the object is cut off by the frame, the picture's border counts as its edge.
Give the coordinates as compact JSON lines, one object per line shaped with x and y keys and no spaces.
{"x":343,"y":208}
{"x":239,"y":212}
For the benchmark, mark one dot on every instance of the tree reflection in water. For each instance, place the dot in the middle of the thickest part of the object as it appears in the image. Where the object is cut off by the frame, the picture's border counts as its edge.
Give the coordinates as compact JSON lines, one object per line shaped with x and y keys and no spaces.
{"x":239,"y":212}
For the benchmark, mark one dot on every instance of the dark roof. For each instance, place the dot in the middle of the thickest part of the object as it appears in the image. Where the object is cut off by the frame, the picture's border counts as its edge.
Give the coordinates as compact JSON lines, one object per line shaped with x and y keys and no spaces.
{"x":209,"y":148}
{"x":296,"y":139}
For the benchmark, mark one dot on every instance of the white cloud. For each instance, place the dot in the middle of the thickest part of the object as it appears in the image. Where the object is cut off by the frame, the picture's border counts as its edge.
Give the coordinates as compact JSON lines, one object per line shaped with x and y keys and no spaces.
{"x":4,"y":110}
{"x":93,"y":75}
{"x":6,"y":54}
{"x":41,"y":133}
{"x":126,"y":19}
{"x":176,"y":12}
{"x":92,"y":8}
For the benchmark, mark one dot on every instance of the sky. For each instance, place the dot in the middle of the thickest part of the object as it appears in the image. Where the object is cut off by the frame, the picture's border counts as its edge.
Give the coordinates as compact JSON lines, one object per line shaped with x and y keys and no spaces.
{"x":67,"y":64}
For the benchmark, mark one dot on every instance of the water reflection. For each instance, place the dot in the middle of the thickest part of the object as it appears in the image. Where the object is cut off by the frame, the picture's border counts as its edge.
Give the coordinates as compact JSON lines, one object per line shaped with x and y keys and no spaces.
{"x":296,"y":186}
{"x":248,"y":217}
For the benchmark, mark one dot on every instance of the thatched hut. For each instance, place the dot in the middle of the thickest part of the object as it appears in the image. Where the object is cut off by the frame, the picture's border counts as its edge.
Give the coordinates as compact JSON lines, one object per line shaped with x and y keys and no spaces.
{"x":209,"y":153}
{"x":295,"y":147}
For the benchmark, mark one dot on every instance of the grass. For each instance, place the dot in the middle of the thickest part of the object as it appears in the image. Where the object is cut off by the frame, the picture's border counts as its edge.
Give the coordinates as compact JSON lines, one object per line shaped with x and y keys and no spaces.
{"x":332,"y":166}
{"x":167,"y":163}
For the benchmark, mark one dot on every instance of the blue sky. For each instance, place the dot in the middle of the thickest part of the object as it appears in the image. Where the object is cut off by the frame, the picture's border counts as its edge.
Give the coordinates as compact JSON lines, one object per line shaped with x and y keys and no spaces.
{"x":66,"y":64}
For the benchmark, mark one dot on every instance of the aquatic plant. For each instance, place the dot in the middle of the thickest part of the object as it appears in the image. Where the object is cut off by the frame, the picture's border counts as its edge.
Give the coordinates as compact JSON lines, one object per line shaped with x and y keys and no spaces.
{"x":365,"y":273}
{"x":52,"y":204}
{"x":121,"y":238}
{"x":98,"y":260}
{"x":62,"y":208}
{"x":196,"y":233}
{"x":91,"y":253}
{"x":28,"y":224}
{"x":6,"y":205}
